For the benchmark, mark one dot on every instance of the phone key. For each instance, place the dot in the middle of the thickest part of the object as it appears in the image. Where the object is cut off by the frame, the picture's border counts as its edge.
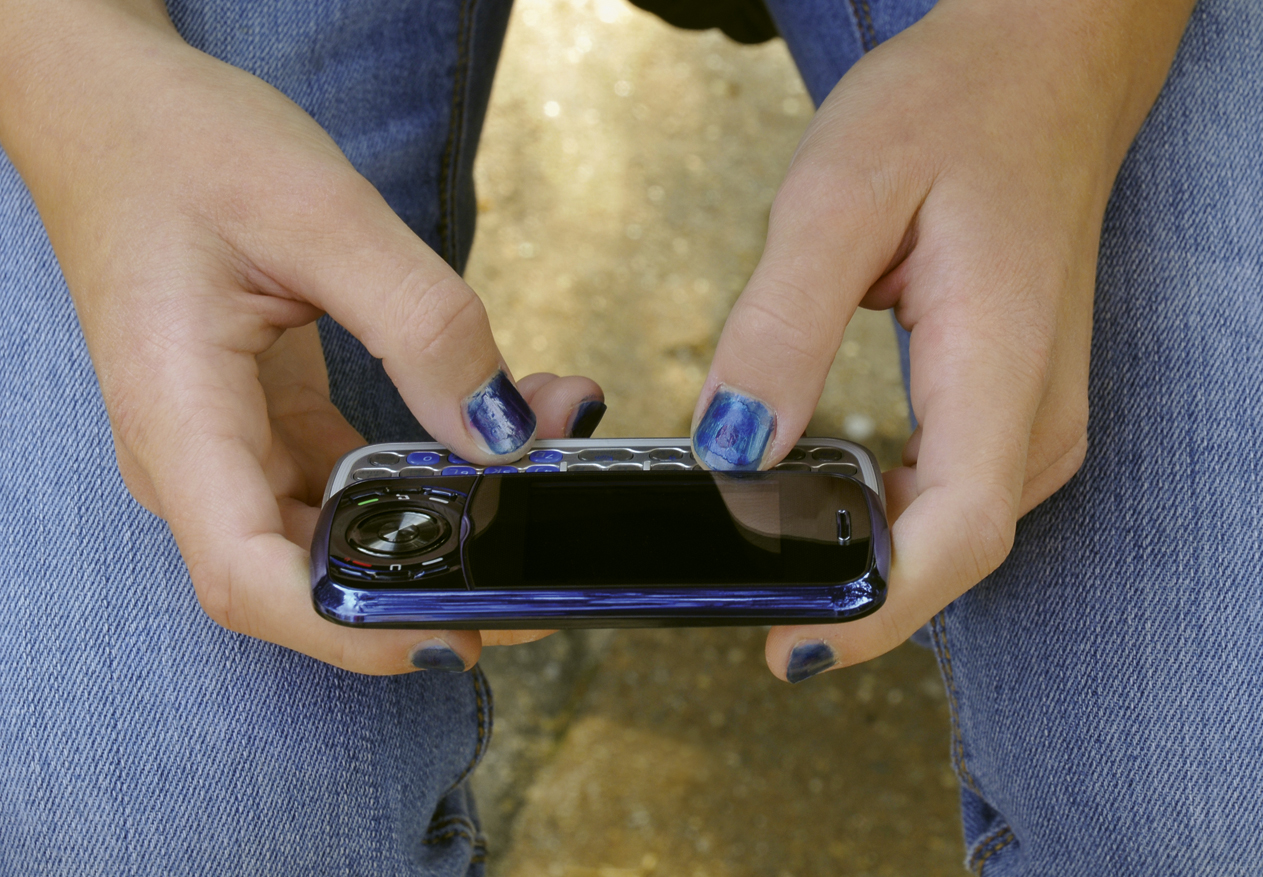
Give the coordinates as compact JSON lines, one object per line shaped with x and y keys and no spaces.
{"x":387,"y":458}
{"x":839,"y":468}
{"x":543,"y":469}
{"x":424,"y":458}
{"x":500,"y":470}
{"x":669,"y":455}
{"x":455,"y":460}
{"x":459,"y":470}
{"x":544,"y":456}
{"x":626,"y":467}
{"x":418,"y":472}
{"x":793,"y":467}
{"x":605,"y":455}
{"x":827,"y":454}
{"x":365,"y":474}
{"x":585,"y":467}
{"x":795,"y":454}
{"x":679,"y":467}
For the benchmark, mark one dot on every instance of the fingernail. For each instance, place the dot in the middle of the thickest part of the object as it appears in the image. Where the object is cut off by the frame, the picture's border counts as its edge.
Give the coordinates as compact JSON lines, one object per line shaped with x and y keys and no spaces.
{"x":437,"y":655}
{"x":587,"y":415}
{"x":734,"y":432}
{"x":809,"y":658}
{"x":497,"y":414}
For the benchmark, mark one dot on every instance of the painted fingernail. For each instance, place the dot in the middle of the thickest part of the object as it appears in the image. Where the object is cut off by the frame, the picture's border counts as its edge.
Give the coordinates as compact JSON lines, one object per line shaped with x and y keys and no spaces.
{"x":437,"y":655}
{"x":734,"y":432}
{"x":498,"y":415}
{"x":809,"y":658}
{"x":586,"y":417}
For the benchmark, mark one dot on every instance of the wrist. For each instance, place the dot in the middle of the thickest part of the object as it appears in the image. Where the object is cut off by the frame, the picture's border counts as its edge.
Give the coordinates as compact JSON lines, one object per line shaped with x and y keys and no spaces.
{"x":67,"y":68}
{"x":1102,"y":63}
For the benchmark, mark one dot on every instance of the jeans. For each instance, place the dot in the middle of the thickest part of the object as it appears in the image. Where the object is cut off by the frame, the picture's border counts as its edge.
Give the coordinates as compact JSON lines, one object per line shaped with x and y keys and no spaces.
{"x":1106,"y":683}
{"x":138,"y":737}
{"x":1103,"y":682}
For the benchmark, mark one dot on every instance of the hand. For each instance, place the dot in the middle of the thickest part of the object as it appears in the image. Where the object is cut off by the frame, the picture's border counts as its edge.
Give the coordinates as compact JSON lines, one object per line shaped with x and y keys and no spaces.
{"x":203,"y":222}
{"x":959,"y":174}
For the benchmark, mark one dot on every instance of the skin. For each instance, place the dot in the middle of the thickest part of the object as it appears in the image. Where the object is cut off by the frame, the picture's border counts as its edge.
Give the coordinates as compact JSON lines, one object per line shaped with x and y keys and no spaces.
{"x":203,"y":222}
{"x":959,"y":173}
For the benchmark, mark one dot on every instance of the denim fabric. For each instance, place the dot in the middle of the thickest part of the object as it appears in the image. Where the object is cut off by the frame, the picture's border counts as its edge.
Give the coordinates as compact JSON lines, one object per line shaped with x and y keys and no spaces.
{"x":139,"y":737}
{"x":1106,"y":683}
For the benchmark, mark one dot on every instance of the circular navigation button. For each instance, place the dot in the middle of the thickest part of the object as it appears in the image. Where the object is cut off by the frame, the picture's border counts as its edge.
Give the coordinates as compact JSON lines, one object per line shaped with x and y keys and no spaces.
{"x":396,"y":532}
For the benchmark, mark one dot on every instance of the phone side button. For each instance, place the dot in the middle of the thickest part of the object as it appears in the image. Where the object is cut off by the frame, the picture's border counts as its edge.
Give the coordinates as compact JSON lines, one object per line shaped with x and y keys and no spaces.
{"x":844,"y":527}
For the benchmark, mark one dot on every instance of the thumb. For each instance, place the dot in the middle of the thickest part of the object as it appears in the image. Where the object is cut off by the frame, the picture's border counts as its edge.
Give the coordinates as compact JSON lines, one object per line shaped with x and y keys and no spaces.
{"x":836,"y":227}
{"x":373,"y":275}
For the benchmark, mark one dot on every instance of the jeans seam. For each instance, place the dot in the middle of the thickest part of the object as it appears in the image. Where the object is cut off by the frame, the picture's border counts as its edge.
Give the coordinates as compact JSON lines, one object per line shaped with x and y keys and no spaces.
{"x":449,"y":164}
{"x":938,"y":630}
{"x":864,"y":21}
{"x":998,"y":840}
{"x":482,"y":700}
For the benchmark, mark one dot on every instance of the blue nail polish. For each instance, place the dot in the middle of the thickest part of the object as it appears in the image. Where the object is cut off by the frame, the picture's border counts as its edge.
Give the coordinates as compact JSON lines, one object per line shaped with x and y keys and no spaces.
{"x":587,"y":416}
{"x":734,"y":432}
{"x":499,"y":415}
{"x":808,"y":659}
{"x":437,"y":655}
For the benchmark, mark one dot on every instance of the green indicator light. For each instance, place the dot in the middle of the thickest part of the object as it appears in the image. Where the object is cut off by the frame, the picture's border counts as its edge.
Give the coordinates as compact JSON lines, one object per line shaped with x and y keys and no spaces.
{"x":367,"y":501}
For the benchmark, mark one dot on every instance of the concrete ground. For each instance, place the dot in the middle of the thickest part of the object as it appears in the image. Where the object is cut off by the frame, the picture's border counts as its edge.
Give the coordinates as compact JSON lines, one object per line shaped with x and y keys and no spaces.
{"x":624,"y":181}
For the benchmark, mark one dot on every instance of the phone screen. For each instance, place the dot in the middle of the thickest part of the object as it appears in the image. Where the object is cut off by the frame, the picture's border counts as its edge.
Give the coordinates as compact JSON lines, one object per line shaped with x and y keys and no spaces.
{"x":668,"y":530}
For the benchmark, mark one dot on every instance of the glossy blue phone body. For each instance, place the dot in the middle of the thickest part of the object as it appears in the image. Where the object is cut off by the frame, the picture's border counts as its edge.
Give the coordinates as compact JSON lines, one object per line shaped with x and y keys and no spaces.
{"x":361,"y":605}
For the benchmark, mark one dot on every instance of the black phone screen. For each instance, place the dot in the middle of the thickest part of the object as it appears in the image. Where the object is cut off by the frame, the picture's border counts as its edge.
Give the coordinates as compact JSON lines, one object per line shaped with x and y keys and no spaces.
{"x":665,"y":530}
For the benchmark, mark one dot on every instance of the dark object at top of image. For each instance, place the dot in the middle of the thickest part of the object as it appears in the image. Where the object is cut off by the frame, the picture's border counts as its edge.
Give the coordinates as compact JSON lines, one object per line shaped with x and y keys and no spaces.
{"x":746,"y":21}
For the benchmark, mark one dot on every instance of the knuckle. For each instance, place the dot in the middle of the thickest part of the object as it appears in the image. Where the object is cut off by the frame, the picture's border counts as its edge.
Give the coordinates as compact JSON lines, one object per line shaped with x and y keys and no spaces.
{"x":431,"y":315}
{"x":786,"y":326}
{"x":990,"y":528}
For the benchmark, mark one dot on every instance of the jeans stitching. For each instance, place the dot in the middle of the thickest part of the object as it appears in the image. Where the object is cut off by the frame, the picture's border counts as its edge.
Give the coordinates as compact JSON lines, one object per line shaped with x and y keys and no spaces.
{"x":482,"y":698}
{"x":455,"y":133}
{"x":998,"y":841}
{"x":938,"y":629}
{"x":864,"y":20}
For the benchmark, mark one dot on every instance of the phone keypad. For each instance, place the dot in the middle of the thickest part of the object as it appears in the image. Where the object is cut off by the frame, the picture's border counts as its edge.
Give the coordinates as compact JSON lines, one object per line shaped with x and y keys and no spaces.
{"x":388,"y":464}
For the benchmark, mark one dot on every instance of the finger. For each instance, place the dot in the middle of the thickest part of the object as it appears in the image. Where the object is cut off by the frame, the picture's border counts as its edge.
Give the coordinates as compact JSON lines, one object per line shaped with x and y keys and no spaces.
{"x":355,"y":259}
{"x":835,"y":226}
{"x":569,"y":407}
{"x":202,"y":440}
{"x":312,"y":434}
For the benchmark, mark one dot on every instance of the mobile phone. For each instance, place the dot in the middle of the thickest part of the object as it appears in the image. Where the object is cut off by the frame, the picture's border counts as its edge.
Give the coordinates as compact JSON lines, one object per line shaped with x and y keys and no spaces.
{"x":599,"y":533}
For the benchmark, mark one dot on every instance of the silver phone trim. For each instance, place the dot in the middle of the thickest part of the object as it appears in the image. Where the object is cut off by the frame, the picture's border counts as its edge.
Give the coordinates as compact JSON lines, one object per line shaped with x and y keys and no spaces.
{"x":870,"y":472}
